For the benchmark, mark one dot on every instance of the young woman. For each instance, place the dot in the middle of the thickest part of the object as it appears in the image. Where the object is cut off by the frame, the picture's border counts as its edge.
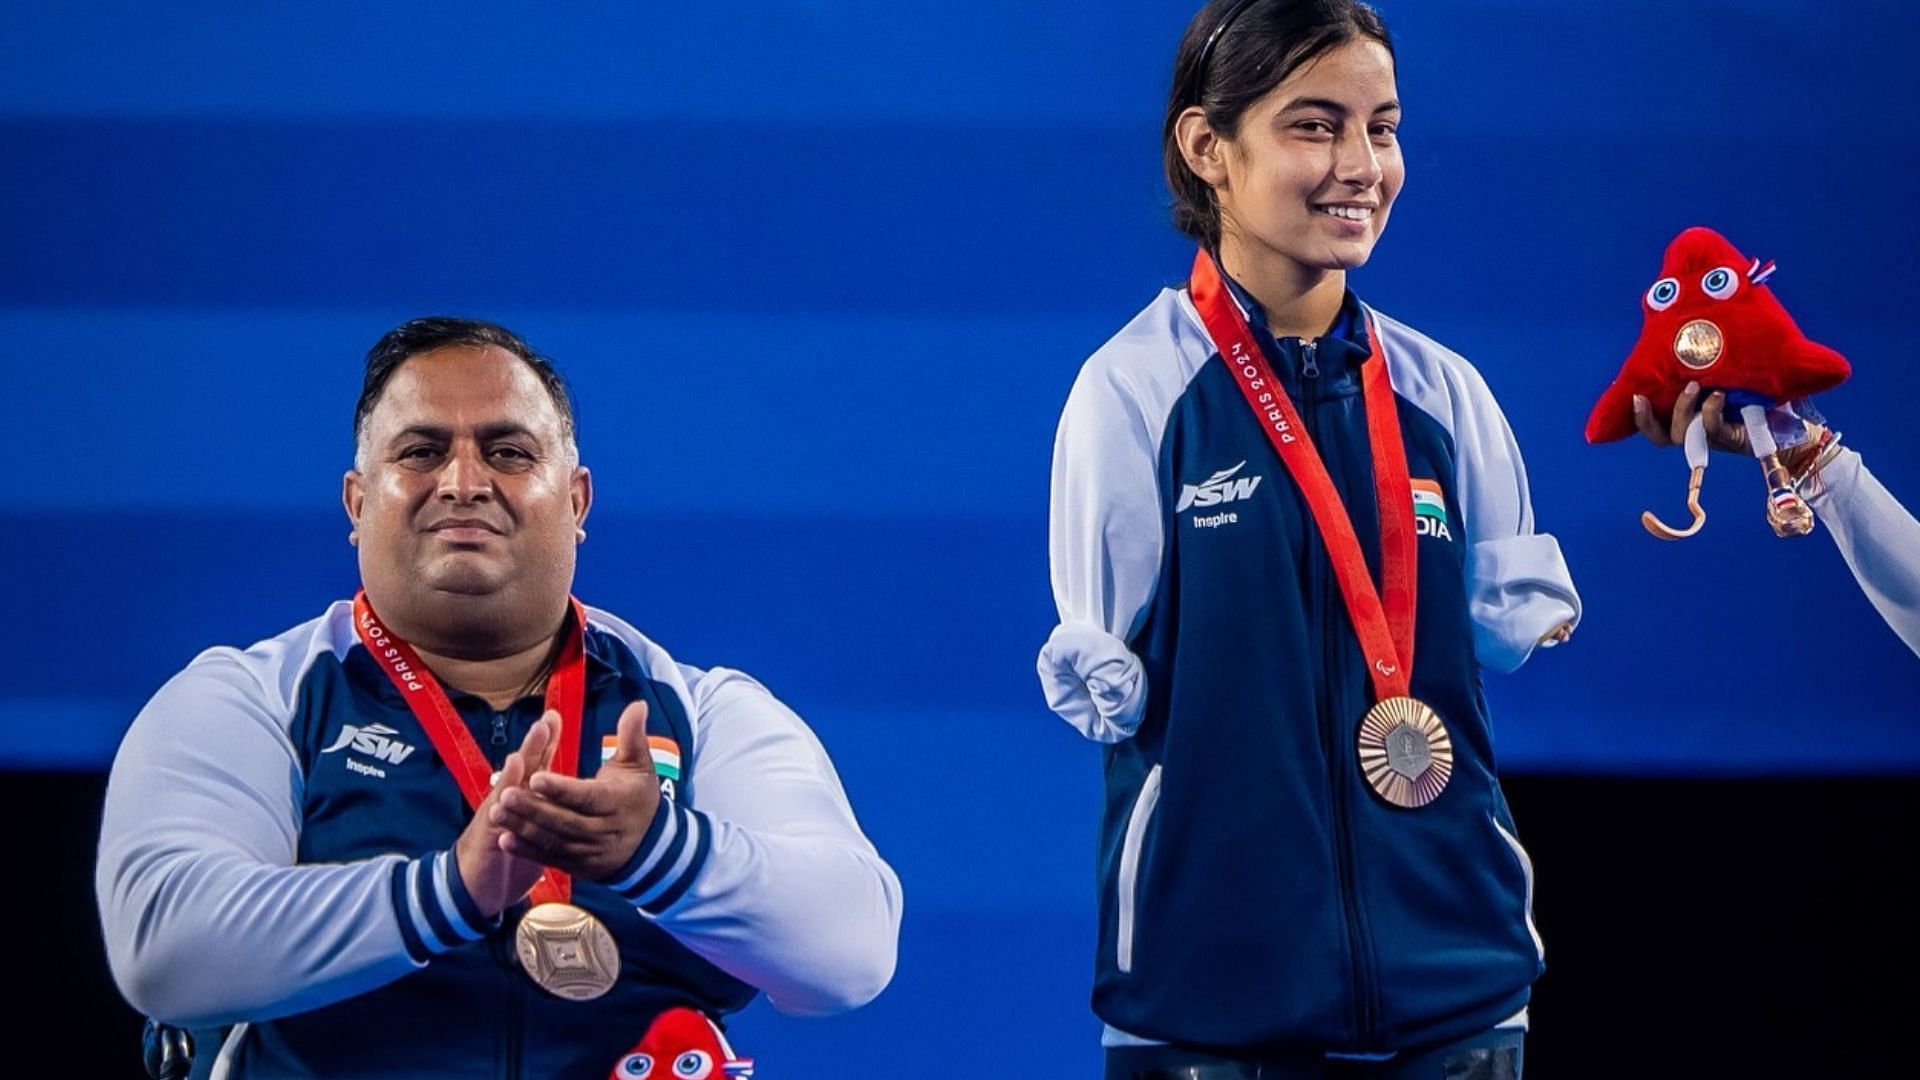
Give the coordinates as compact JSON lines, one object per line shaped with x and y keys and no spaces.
{"x":1287,"y":532}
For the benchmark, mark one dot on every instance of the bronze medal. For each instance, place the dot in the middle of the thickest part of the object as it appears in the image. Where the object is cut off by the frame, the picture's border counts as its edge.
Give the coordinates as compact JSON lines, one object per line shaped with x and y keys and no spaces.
{"x":1405,"y":752}
{"x":1699,"y":344}
{"x":567,"y":952}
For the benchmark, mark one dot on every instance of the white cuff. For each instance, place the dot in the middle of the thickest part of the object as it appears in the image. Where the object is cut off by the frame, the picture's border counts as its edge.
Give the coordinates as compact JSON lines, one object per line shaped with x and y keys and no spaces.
{"x":1521,"y":593}
{"x":1093,"y":682}
{"x":1832,"y":488}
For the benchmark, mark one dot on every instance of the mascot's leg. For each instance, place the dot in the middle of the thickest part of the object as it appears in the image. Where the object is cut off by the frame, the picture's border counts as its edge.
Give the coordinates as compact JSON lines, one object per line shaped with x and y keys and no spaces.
{"x":1697,"y":461}
{"x":1787,"y":512}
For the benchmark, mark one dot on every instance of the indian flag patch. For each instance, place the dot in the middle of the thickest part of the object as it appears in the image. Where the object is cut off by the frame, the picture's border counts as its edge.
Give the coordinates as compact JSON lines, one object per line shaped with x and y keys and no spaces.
{"x":666,"y":754}
{"x":1430,"y":510}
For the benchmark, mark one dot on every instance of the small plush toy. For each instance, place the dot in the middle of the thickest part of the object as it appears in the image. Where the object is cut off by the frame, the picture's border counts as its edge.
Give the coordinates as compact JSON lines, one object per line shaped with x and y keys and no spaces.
{"x":1712,"y":318}
{"x":682,"y":1044}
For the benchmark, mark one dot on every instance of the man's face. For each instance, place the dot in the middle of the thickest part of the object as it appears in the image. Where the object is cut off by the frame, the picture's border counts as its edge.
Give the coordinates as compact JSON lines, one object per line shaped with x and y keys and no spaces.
{"x":466,"y":490}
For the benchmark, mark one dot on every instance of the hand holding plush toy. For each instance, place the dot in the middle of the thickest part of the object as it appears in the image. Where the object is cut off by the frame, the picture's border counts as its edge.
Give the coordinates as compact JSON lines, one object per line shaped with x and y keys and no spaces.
{"x":1708,"y":321}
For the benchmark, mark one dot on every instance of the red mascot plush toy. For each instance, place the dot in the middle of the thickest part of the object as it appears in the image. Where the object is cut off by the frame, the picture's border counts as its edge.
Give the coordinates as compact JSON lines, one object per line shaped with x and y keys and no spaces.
{"x":682,"y":1044}
{"x":1712,"y":318}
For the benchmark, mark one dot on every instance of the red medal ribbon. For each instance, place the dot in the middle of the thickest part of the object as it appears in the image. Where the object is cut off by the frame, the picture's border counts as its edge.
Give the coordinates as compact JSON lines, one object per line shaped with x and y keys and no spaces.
{"x":1382,"y":620}
{"x":566,"y":695}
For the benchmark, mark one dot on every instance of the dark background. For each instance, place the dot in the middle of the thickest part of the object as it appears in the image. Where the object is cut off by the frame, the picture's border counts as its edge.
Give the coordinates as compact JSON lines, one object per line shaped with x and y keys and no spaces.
{"x":822,"y":274}
{"x":1694,"y":928}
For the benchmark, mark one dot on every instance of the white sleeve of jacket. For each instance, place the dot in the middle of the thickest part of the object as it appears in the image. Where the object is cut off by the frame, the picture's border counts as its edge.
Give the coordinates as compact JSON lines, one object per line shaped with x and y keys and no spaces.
{"x":207,"y":920}
{"x":1104,"y":546}
{"x":1519,"y":589}
{"x":770,"y":879}
{"x":1879,"y":539}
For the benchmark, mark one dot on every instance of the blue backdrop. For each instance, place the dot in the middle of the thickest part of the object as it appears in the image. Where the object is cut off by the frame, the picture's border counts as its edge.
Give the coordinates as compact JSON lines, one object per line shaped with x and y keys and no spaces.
{"x":822,"y":275}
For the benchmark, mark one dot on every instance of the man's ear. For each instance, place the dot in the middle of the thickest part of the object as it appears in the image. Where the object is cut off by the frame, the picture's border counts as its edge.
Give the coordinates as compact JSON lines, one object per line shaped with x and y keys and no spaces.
{"x":582,"y":488}
{"x":353,"y":489}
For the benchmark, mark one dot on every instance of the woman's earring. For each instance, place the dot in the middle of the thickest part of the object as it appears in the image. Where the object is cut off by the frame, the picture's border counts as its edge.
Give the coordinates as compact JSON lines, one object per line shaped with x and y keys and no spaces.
{"x":579,"y":536}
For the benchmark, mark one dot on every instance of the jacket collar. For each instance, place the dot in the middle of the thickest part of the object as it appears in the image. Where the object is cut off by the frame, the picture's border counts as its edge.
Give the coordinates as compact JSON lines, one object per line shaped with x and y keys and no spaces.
{"x":602,"y":668}
{"x":1343,"y":347}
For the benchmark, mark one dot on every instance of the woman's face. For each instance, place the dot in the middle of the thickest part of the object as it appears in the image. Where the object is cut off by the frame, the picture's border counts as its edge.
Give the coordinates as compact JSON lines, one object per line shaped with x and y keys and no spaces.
{"x":1315,"y":165}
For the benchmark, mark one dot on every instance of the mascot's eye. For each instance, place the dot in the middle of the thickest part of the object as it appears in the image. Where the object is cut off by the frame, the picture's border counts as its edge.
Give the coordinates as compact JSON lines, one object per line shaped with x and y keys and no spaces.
{"x":694,"y":1065}
{"x":1720,"y":282}
{"x":636,"y":1066}
{"x":1663,"y":294}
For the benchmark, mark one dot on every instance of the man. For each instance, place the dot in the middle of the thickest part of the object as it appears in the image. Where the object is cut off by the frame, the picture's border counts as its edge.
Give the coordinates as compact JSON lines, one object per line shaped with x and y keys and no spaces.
{"x":326,"y":844}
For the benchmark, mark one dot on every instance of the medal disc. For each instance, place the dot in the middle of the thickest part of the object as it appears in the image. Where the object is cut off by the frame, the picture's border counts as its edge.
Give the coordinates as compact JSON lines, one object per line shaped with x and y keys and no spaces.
{"x":1405,"y":752}
{"x":567,"y":952}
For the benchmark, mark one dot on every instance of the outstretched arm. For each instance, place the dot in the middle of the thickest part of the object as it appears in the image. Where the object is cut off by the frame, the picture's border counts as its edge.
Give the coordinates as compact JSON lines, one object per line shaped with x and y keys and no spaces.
{"x":1877,"y":536}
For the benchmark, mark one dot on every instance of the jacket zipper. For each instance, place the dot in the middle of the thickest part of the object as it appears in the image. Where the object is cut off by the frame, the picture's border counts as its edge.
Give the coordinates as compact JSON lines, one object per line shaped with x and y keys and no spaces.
{"x":516,"y":1019}
{"x":516,"y":1030}
{"x":1331,"y":733}
{"x":503,"y":944}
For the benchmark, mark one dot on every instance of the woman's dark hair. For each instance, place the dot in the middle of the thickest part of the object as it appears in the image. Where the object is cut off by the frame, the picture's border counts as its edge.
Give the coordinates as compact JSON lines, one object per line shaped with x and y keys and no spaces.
{"x":417,"y":336}
{"x":1233,"y":54}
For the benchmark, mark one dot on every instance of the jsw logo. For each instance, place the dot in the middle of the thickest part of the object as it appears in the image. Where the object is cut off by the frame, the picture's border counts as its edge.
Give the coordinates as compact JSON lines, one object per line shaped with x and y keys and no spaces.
{"x":375,"y":741}
{"x":1221,"y":487}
